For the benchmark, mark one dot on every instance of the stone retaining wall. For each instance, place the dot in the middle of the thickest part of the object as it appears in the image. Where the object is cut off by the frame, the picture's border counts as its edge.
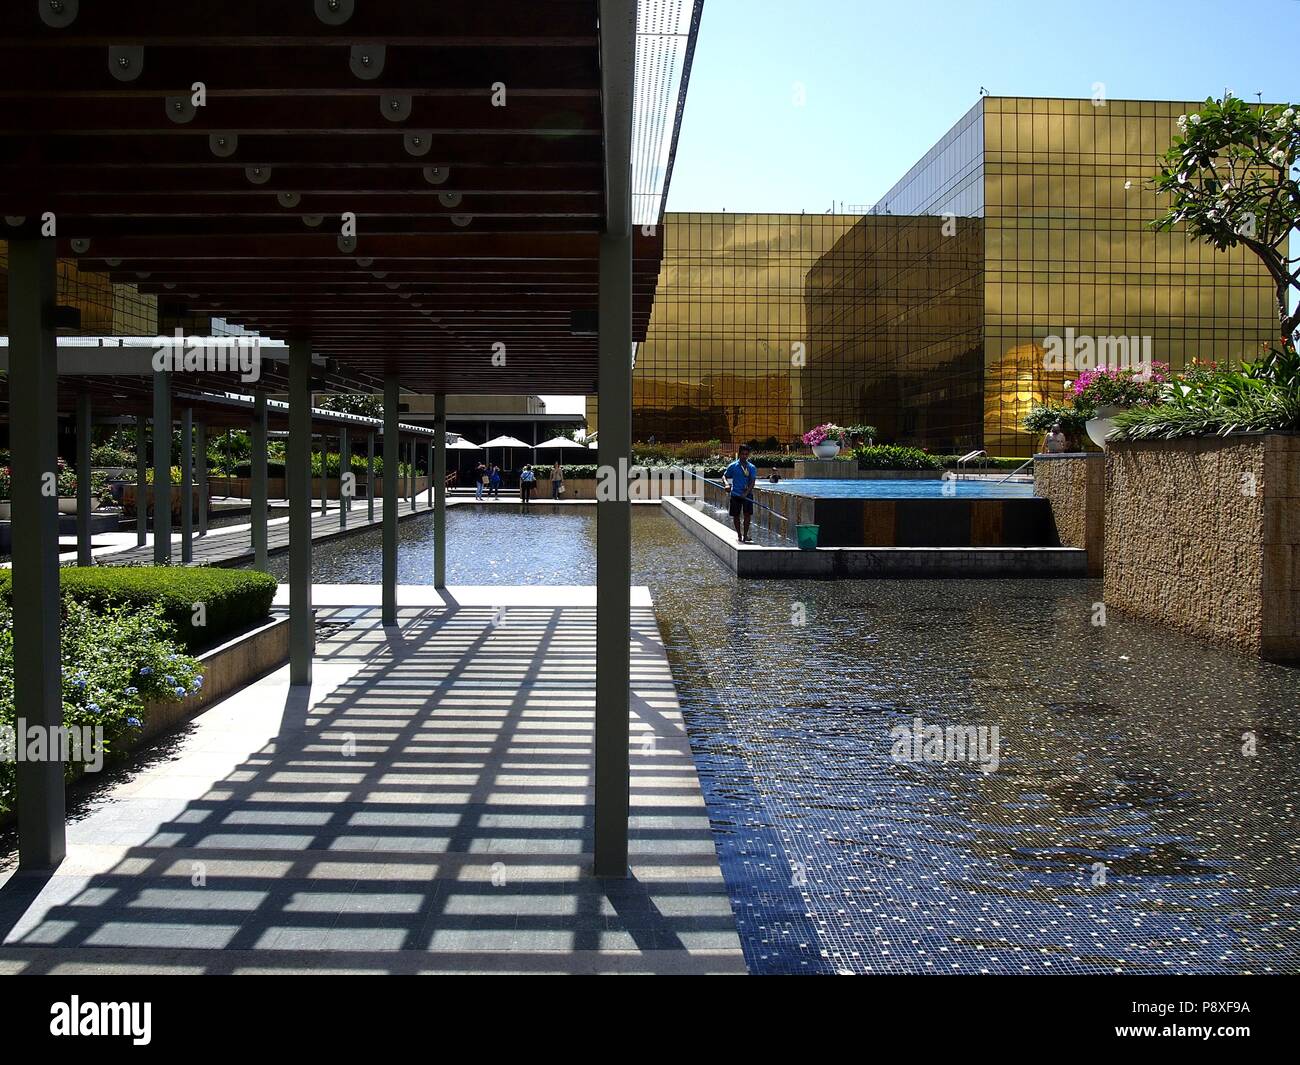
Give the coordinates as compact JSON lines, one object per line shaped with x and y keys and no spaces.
{"x":1203,"y":536}
{"x":1075,"y":485}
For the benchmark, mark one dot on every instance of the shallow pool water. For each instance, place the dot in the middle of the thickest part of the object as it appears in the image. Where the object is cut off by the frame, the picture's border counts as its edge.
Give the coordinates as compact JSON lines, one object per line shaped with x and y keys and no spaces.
{"x":900,"y":488}
{"x":1124,"y":829}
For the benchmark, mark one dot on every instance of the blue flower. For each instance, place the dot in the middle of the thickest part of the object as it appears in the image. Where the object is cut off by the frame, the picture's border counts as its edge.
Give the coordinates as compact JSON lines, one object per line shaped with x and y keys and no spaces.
{"x":196,"y":683}
{"x":131,"y":691}
{"x":180,"y":693}
{"x":94,"y":708}
{"x":145,"y":670}
{"x":78,"y":683}
{"x":134,"y":722}
{"x":170,"y":681}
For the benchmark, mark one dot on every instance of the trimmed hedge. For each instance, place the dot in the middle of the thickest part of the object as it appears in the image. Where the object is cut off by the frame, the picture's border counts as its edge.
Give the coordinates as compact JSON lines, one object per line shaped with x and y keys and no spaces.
{"x":232,"y":599}
{"x":894,"y":457}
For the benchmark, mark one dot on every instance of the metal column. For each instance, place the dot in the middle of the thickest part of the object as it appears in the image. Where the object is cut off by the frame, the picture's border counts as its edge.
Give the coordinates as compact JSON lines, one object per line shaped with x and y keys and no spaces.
{"x":428,"y":465}
{"x":370,"y":476}
{"x":33,"y":433}
{"x":302,"y":636}
{"x":257,"y":487}
{"x":162,"y":468}
{"x":440,"y":491}
{"x":391,"y":462}
{"x":84,"y":497}
{"x":345,"y":467}
{"x":201,"y":474}
{"x":187,"y":486}
{"x":614,"y":516}
{"x":141,"y":480}
{"x":324,"y":475}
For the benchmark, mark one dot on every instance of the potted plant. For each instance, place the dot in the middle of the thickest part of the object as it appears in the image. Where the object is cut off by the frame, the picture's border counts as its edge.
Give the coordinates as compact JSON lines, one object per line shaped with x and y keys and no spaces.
{"x":824,"y":440}
{"x":6,"y":488}
{"x":1107,"y":391}
{"x":66,"y":483}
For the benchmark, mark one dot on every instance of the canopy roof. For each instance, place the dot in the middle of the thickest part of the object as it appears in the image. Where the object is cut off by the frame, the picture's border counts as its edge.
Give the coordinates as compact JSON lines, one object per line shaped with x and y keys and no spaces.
{"x":418,"y":187}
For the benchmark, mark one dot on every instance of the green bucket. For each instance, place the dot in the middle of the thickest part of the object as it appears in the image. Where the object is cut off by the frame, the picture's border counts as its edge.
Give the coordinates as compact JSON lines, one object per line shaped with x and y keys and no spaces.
{"x":807,"y":535}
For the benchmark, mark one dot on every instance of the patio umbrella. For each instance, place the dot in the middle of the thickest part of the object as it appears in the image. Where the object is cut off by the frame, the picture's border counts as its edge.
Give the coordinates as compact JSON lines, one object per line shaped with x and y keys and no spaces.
{"x":505,"y":442}
{"x":463,"y":445}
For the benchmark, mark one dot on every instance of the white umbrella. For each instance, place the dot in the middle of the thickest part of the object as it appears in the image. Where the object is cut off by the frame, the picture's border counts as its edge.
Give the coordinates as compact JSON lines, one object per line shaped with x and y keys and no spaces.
{"x":504,"y":442}
{"x":463,"y":445}
{"x":561,"y":442}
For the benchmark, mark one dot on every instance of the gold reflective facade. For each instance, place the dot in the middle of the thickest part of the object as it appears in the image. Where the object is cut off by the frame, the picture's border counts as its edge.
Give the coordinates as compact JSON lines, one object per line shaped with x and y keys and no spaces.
{"x":928,"y":316}
{"x":1067,"y":202}
{"x":107,"y":308}
{"x":728,"y":334}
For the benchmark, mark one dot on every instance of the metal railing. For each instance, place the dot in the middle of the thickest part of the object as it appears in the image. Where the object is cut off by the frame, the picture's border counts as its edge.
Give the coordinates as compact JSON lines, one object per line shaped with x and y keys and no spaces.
{"x":1027,"y":462}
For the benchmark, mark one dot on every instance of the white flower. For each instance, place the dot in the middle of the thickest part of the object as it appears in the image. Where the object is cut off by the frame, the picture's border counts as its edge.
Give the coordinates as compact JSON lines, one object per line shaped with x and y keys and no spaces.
{"x":1289,"y":112}
{"x":1278,"y":155}
{"x":1195,"y":120}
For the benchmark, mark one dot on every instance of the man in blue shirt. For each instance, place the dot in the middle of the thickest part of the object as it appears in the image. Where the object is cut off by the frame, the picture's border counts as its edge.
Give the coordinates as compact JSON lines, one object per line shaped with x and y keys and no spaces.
{"x":740,"y":477}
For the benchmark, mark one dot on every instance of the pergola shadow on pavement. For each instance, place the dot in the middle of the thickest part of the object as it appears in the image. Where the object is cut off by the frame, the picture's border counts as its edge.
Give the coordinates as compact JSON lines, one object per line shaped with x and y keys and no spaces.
{"x":426,"y":806}
{"x":413,"y":197}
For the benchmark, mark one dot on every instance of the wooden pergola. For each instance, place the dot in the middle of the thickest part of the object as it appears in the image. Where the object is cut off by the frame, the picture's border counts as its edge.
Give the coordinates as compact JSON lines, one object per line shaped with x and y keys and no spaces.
{"x":414,"y":196}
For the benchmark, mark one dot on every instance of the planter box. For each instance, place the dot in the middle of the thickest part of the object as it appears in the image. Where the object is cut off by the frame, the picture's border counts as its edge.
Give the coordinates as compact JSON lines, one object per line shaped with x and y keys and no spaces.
{"x":238,"y":661}
{"x":128,"y":502}
{"x":228,"y":666}
{"x":1203,"y":536}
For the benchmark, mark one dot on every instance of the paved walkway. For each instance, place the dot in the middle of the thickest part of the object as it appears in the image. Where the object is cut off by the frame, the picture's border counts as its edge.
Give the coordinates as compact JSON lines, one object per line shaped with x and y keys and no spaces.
{"x":231,"y":545}
{"x":427,"y":807}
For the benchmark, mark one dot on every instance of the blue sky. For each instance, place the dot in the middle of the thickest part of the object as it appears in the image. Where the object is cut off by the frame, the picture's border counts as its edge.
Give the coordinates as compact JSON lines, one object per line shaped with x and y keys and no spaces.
{"x":881,"y":82}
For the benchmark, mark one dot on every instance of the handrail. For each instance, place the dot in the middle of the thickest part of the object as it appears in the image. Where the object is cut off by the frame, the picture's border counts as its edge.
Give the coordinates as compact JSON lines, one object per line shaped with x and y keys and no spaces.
{"x":1008,"y":477}
{"x":970,"y":456}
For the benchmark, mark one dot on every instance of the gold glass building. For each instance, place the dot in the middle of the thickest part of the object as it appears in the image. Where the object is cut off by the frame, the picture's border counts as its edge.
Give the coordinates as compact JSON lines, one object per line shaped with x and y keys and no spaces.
{"x":928,"y":316}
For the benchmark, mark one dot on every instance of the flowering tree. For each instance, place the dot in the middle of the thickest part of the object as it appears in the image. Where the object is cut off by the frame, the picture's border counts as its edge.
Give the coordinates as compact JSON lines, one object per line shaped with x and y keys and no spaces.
{"x":1233,"y":177}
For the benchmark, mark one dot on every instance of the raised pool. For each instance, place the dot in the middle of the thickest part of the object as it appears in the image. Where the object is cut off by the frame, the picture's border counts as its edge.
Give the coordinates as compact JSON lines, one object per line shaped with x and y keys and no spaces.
{"x":899,"y":488}
{"x":1124,"y":829}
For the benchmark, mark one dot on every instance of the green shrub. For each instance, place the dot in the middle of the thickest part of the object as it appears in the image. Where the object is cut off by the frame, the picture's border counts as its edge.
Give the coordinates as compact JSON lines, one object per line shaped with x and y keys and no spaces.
{"x":231,"y":599}
{"x":1073,"y":417}
{"x":111,"y":456}
{"x":113,"y":662}
{"x":895,"y":457}
{"x":1263,"y":396}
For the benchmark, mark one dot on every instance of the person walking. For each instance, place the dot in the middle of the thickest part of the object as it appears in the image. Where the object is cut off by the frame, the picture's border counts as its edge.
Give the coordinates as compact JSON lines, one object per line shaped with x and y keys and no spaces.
{"x":740,"y":477}
{"x":480,"y":479}
{"x":557,"y":480}
{"x":494,"y":482}
{"x":527,"y":480}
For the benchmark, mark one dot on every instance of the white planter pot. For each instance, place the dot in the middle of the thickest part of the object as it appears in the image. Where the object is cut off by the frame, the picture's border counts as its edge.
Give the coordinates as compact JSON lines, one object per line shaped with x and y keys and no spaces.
{"x":1100,"y":426}
{"x":67,"y":504}
{"x":6,"y":509}
{"x":827,"y":449}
